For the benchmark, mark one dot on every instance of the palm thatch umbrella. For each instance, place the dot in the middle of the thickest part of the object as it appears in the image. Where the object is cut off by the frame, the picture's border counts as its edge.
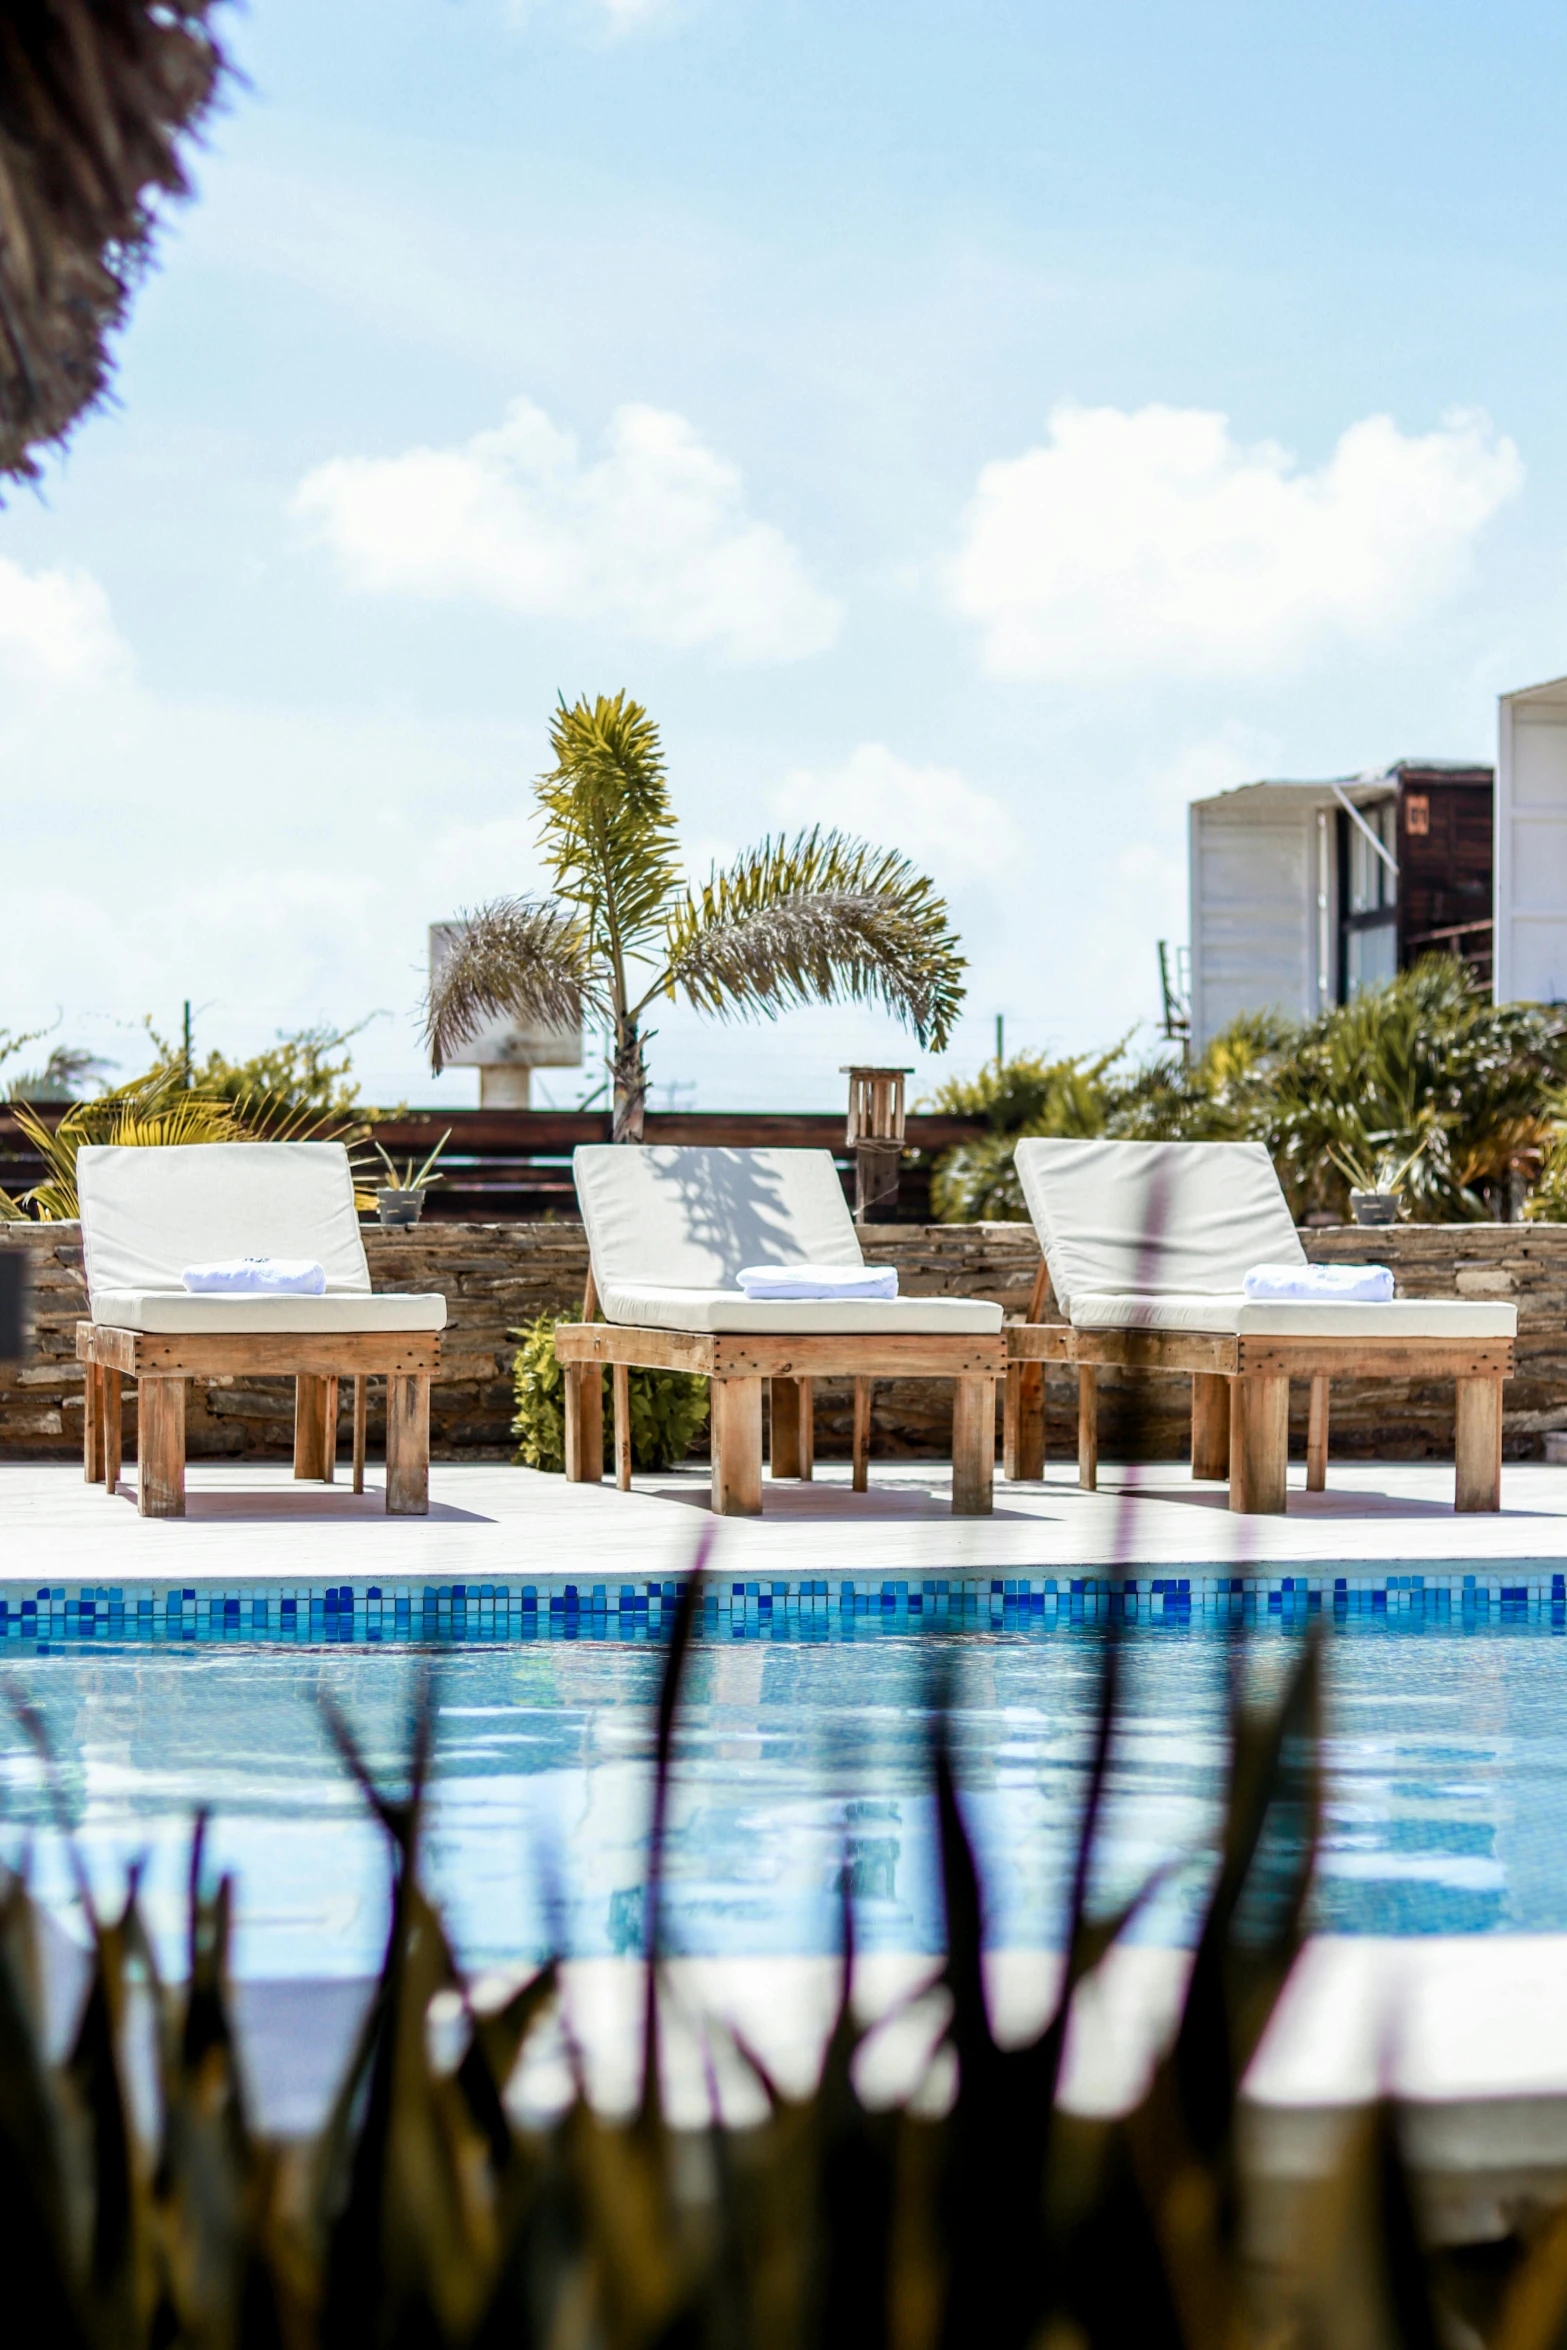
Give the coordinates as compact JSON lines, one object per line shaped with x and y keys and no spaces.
{"x":96,"y":98}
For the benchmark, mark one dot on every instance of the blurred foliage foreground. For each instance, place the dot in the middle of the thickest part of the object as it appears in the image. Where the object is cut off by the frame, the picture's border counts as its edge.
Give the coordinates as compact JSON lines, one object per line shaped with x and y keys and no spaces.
{"x":1424,"y":1086}
{"x":429,"y":2214}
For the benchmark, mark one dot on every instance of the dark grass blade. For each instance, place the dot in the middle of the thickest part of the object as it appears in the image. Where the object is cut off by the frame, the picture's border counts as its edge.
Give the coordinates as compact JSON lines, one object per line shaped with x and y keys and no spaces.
{"x":668,"y":1709}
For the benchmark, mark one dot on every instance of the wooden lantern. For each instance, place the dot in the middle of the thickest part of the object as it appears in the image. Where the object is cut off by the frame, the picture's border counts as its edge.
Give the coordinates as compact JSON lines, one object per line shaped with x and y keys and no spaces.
{"x":875,"y":1135}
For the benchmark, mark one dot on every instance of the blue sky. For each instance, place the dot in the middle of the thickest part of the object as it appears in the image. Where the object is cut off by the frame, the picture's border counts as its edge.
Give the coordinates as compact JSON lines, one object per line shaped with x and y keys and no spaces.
{"x":987,"y":427}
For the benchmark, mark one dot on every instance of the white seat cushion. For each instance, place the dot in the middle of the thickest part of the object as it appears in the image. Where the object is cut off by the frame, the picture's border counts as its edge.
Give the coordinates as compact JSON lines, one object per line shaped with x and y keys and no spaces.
{"x":730,"y":1310}
{"x":1154,"y":1219}
{"x":148,"y":1213}
{"x":669,"y":1230}
{"x":1246,"y":1317}
{"x":176,"y":1313}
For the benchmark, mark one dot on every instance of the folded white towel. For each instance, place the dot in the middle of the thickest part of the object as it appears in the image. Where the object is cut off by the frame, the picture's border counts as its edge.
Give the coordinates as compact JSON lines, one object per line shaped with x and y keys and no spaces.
{"x":824,"y":1281}
{"x":1370,"y":1285}
{"x":257,"y":1276}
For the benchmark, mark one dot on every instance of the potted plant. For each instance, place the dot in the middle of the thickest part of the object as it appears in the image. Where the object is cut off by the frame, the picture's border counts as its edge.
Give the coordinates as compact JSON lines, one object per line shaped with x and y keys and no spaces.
{"x":400,"y":1199}
{"x":1375,"y":1184}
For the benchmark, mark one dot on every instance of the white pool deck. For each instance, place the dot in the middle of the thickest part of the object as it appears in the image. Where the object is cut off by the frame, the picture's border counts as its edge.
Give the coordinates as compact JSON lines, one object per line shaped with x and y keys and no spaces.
{"x":490,"y":1521}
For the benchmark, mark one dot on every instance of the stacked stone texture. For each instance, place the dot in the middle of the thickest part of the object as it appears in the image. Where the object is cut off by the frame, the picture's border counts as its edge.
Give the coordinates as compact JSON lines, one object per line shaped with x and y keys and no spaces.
{"x":495,"y":1277}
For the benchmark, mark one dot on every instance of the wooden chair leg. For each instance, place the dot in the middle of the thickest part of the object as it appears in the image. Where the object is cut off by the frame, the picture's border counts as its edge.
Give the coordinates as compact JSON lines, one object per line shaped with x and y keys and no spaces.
{"x":862,"y":1435}
{"x":1011,"y":1419}
{"x":584,"y":1424}
{"x":1088,"y":1427}
{"x":309,"y":1425}
{"x":807,"y":1430}
{"x":620,"y":1385}
{"x":1477,"y":1445}
{"x":1031,"y":1423}
{"x":408,"y":1445}
{"x":1259,"y":1443}
{"x":113,"y":1430}
{"x":361,"y":1416}
{"x":1317,"y":1435}
{"x":737,"y":1447}
{"x":92,"y":1423}
{"x":160,"y":1448}
{"x":328,"y":1431}
{"x":1211,"y":1425}
{"x":973,"y":1447}
{"x":783,"y":1409}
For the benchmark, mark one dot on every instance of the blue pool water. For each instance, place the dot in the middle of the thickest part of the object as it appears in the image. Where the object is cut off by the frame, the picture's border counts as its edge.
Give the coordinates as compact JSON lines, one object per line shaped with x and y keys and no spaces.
{"x":1447,"y":1758}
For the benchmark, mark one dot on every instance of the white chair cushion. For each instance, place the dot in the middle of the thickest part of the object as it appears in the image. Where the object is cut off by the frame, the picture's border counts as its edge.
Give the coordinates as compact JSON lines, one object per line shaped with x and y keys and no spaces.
{"x":148,"y":1213}
{"x":658,"y":1307}
{"x":1246,"y":1317}
{"x":669,"y":1230}
{"x":1154,"y":1219}
{"x":176,"y":1313}
{"x":689,"y":1219}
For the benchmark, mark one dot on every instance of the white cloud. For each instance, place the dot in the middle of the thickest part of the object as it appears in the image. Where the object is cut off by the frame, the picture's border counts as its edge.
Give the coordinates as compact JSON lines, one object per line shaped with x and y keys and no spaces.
{"x":654,"y":536}
{"x":1152,"y":541}
{"x":934,"y":814}
{"x":57,"y":626}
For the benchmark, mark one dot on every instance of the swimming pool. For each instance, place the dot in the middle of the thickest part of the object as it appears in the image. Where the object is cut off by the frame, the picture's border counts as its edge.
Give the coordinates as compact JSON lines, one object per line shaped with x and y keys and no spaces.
{"x":803,"y":1748}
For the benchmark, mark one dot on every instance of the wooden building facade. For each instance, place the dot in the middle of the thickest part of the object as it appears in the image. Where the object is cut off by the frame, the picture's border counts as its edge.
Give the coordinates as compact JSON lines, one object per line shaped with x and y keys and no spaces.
{"x":1303,"y":894}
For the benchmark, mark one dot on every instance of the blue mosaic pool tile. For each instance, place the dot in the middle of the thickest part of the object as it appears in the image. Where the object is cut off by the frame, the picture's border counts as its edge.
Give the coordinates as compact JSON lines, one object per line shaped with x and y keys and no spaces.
{"x":1522,"y":1593}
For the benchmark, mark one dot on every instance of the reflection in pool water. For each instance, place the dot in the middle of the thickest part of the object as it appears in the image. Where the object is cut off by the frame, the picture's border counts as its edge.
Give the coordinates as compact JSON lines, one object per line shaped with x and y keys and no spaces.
{"x":1447,"y":1773}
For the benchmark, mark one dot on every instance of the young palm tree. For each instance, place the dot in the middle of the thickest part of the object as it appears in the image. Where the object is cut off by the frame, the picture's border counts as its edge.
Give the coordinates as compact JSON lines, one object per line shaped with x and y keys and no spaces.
{"x":822,"y":918}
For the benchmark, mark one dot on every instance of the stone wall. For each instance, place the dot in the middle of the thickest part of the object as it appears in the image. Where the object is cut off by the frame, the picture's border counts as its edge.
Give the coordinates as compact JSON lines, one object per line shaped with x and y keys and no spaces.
{"x":496,"y":1276}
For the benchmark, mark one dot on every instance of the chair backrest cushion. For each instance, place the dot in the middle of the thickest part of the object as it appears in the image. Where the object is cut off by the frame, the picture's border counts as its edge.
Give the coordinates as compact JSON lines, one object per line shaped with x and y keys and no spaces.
{"x":689,"y":1219}
{"x":1154,"y":1219}
{"x":147,"y":1213}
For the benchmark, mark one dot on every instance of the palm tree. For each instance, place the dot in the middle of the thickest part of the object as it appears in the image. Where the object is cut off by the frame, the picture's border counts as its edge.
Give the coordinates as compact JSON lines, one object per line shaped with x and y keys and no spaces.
{"x":822,"y":918}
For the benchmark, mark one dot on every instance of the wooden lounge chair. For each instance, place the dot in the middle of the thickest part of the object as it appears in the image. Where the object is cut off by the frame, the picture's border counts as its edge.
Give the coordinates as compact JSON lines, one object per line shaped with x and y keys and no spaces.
{"x":668,"y":1231}
{"x":146,"y":1215}
{"x":1146,"y":1247}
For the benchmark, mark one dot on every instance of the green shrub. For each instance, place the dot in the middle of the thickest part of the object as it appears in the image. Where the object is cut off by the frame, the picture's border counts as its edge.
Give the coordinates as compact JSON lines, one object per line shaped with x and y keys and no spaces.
{"x":668,"y":1408}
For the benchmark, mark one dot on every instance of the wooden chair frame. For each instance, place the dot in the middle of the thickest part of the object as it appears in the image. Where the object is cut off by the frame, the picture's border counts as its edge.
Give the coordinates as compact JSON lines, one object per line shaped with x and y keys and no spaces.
{"x":1240,"y":1399}
{"x":737,"y":1366}
{"x":161,"y":1365}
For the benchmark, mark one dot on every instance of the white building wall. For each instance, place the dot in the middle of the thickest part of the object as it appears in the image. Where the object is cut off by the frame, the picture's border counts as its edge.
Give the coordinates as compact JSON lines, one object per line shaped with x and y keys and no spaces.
{"x":1256,"y":915}
{"x":1531,"y":846}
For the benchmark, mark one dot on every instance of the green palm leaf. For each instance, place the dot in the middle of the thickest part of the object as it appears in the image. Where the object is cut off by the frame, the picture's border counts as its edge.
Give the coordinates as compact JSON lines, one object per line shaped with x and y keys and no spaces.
{"x":609,"y":833}
{"x":517,"y":959}
{"x":817,"y":919}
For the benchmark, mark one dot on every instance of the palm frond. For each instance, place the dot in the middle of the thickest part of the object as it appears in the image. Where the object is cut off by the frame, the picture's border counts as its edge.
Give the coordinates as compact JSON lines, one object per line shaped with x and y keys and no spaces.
{"x":94,"y":104}
{"x":160,"y":1109}
{"x":609,"y":832}
{"x":157,"y":1108}
{"x":519,"y":959}
{"x":823,"y":918}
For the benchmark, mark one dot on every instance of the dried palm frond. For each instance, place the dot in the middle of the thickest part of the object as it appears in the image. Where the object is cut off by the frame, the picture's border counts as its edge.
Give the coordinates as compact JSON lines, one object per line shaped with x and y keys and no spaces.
{"x":518,"y":959}
{"x":95,"y":99}
{"x":817,"y":919}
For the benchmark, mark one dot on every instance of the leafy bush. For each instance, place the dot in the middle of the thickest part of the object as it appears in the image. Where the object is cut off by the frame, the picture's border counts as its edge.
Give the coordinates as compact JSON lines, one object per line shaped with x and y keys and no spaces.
{"x":1425,"y":1075}
{"x":310,"y":1070}
{"x":668,"y":1408}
